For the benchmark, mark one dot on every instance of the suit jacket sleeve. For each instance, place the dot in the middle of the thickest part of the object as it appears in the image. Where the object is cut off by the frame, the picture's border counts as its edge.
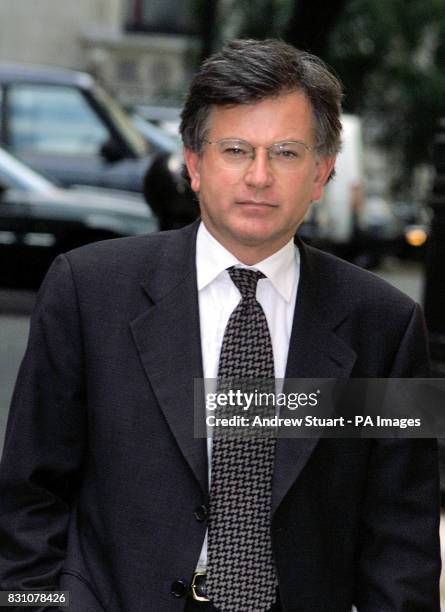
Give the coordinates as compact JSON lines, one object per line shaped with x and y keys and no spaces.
{"x":399,"y":564}
{"x":45,"y":440}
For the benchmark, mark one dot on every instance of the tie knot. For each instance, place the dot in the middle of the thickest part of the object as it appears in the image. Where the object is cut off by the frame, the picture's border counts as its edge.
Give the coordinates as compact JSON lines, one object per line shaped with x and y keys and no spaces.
{"x":246,"y":281}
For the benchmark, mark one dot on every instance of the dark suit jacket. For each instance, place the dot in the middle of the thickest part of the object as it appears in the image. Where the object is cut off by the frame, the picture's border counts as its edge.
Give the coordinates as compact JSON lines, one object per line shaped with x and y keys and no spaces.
{"x":101,"y":474}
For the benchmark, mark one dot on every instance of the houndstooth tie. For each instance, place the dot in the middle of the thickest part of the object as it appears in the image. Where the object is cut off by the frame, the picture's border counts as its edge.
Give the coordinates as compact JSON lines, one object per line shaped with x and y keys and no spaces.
{"x":240,"y":570}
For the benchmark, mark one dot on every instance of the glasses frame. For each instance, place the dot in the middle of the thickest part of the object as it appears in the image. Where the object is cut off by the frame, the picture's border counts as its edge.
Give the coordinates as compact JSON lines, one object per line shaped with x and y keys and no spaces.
{"x":308,"y":148}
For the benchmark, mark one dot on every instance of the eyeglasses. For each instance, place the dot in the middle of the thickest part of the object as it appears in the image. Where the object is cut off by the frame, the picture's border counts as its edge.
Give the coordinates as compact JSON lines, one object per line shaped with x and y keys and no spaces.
{"x":234,"y":153}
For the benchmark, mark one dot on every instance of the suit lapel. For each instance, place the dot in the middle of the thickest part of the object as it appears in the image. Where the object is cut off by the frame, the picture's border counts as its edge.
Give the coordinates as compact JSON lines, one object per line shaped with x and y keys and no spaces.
{"x":315,"y":351}
{"x":167,"y":337}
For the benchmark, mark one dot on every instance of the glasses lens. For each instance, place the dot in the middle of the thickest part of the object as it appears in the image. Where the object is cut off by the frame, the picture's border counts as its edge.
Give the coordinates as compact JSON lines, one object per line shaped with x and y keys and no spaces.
{"x":235,"y":152}
{"x":289,"y":154}
{"x":239,"y":153}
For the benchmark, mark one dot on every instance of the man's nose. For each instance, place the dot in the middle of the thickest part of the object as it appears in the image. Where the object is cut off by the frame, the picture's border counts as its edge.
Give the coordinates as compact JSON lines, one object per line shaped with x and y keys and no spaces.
{"x":259,"y":173}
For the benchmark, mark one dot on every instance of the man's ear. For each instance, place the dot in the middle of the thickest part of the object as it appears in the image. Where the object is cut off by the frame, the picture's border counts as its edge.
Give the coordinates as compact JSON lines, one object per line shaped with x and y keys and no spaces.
{"x":193,"y":163}
{"x":325,"y":166}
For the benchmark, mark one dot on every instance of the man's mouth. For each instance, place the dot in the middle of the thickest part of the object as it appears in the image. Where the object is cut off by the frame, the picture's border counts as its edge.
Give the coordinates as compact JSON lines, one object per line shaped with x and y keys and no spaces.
{"x":255,"y":203}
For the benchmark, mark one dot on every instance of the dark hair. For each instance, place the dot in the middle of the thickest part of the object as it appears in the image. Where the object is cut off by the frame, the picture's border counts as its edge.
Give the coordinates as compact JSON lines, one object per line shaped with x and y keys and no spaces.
{"x":248,"y":71}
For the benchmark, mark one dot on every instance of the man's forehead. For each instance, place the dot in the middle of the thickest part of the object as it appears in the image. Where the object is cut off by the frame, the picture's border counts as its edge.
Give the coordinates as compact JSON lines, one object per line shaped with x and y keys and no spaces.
{"x":293,"y":105}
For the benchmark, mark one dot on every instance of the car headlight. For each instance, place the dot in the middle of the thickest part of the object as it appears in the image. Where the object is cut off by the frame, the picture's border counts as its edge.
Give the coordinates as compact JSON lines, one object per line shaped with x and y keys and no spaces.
{"x":416,"y":236}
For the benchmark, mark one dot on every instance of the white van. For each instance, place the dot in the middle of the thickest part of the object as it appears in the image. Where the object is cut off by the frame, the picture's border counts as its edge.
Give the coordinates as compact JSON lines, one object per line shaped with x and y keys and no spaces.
{"x":334,"y":221}
{"x":344,"y":194}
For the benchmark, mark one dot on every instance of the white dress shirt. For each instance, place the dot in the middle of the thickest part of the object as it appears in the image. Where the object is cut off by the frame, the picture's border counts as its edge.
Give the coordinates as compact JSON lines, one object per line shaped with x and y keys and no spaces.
{"x":218,"y":297}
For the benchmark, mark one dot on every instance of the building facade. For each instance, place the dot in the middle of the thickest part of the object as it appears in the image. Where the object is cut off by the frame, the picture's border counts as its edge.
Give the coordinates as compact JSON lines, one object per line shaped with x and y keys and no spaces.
{"x":142,"y":50}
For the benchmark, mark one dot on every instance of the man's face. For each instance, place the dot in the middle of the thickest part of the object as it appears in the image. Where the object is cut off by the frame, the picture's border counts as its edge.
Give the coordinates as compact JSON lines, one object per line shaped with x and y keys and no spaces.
{"x":254,"y":210}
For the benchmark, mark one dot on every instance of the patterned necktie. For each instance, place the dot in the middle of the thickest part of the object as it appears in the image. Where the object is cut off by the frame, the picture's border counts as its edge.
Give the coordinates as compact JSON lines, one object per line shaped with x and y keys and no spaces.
{"x":240,"y":570}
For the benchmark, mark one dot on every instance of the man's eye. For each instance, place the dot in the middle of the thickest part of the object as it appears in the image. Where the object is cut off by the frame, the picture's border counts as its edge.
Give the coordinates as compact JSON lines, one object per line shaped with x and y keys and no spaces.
{"x":288,"y":153}
{"x":235,"y":152}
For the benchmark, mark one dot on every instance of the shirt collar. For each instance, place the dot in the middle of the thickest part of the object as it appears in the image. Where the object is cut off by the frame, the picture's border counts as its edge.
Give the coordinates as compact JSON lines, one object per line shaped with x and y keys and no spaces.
{"x":212,"y":259}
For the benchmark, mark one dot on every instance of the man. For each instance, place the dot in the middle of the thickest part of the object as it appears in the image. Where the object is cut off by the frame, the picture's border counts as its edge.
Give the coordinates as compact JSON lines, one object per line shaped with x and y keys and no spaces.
{"x":105,"y":490}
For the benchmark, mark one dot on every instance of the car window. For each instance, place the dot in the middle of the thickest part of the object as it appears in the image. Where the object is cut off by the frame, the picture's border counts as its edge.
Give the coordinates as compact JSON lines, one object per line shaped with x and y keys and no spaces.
{"x":53,"y":120}
{"x":16,"y":175}
{"x":123,"y":122}
{"x":1,"y":113}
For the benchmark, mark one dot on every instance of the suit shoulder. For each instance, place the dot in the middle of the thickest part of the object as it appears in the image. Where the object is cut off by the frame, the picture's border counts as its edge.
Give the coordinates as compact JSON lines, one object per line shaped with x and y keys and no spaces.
{"x":132,"y":256}
{"x":355,"y":285}
{"x":105,"y":252}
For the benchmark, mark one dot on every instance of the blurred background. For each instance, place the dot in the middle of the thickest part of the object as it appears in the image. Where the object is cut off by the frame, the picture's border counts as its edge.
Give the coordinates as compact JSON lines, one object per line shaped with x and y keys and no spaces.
{"x":90,"y":93}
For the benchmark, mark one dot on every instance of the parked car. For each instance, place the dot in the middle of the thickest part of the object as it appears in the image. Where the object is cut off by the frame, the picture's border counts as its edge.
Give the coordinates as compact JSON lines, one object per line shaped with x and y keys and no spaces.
{"x":380,"y":232}
{"x":39,"y":220}
{"x":161,"y":125}
{"x":159,"y":138}
{"x":65,"y":126}
{"x":416,"y":219}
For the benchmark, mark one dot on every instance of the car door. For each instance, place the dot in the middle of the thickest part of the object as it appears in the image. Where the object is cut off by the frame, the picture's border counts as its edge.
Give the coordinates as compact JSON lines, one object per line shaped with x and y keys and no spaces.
{"x":13,"y":228}
{"x":58,"y":132}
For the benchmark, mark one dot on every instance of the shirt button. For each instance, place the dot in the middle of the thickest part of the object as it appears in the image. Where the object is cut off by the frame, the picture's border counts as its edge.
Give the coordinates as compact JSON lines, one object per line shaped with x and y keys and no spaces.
{"x":201,"y":513}
{"x":179,"y":588}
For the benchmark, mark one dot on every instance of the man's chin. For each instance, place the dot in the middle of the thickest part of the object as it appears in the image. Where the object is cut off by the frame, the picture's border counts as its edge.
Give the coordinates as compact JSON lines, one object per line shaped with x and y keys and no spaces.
{"x":257,"y":232}
{"x":249,"y":234}
{"x":263,"y":239}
